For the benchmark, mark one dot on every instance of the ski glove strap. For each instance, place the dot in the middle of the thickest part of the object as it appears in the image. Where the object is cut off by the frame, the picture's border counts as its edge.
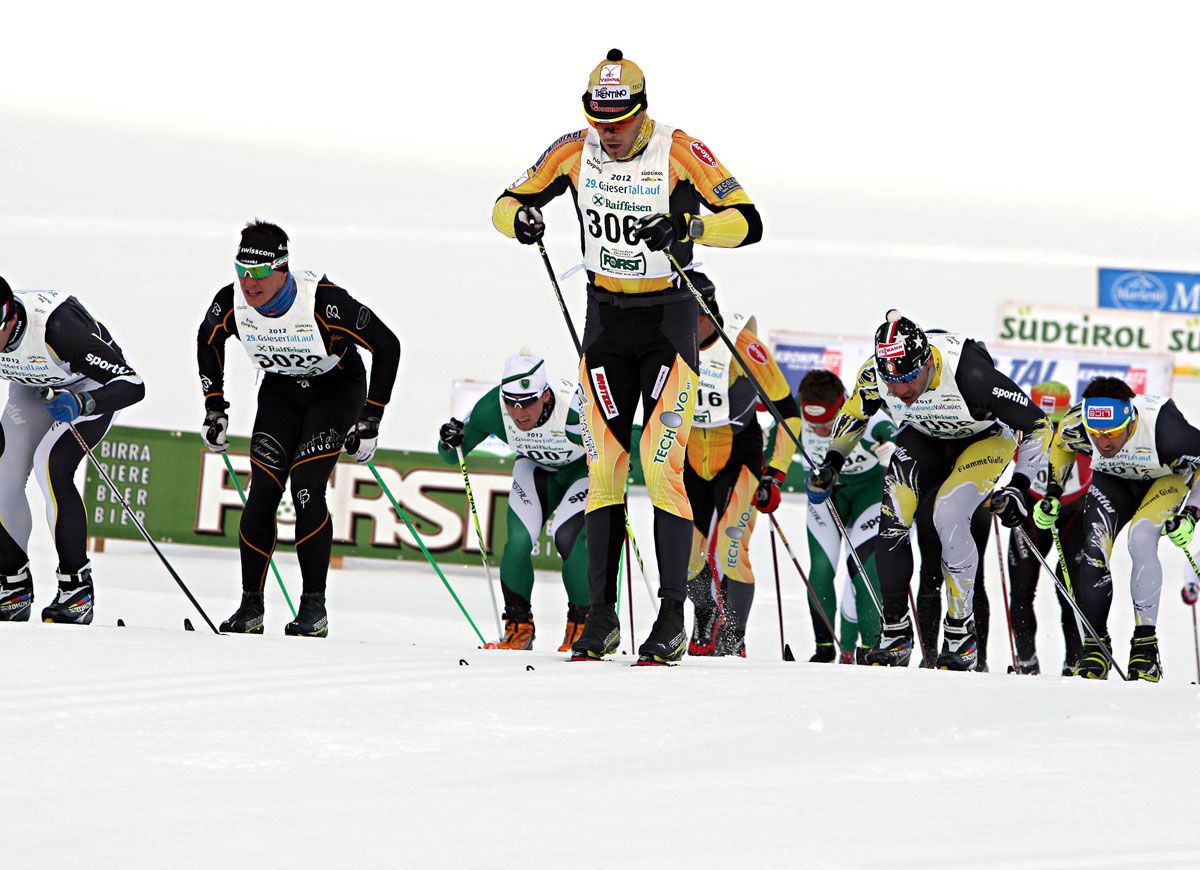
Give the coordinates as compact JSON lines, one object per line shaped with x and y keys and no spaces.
{"x":1181,"y":527}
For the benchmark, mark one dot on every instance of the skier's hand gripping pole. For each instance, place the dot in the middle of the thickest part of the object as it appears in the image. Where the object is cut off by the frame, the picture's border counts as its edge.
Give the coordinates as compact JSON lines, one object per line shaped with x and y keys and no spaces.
{"x":782,"y":425}
{"x":462,"y":466}
{"x":1083,"y":620}
{"x":242,"y":495}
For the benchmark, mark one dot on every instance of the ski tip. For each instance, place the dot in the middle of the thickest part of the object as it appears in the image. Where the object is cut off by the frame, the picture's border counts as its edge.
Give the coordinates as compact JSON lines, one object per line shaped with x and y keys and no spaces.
{"x":787,"y":653}
{"x":463,"y":663}
{"x":187,"y":625}
{"x":529,"y":667}
{"x":120,"y":623}
{"x":491,"y":644}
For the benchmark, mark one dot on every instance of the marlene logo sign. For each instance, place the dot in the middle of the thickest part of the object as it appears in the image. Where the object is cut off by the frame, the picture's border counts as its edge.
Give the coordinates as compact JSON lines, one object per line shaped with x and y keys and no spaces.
{"x":1136,"y":290}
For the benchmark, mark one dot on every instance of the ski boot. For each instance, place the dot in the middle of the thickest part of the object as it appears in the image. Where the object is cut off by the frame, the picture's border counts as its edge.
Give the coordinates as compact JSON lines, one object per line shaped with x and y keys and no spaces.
{"x":706,"y":629}
{"x":959,"y":650}
{"x":16,"y":596}
{"x":1144,"y":663}
{"x":825,"y":653}
{"x":1027,"y":666}
{"x":730,"y":641}
{"x":601,"y":634}
{"x":248,"y":618}
{"x":76,"y":595}
{"x":1094,"y":664}
{"x":311,"y":620}
{"x":667,"y":641}
{"x":576,"y":616}
{"x":518,"y":630}
{"x":895,"y":645}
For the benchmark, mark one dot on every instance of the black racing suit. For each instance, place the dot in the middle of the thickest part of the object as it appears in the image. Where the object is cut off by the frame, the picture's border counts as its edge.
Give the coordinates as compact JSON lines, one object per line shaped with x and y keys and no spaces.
{"x":301,"y":424}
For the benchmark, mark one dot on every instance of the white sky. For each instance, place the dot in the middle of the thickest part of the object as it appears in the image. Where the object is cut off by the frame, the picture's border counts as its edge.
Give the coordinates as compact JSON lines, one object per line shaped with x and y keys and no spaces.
{"x":1087,"y":101}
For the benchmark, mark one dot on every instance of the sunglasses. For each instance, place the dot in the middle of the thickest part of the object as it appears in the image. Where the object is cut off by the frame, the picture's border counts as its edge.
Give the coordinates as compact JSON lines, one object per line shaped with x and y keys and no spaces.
{"x":1107,"y":433}
{"x":258,"y":271}
{"x":522,"y":402}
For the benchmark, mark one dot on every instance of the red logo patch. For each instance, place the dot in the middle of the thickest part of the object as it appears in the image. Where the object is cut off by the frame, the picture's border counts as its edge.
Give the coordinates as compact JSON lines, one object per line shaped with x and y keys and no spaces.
{"x":1137,"y":380}
{"x":702,"y":153}
{"x":1102,"y":413}
{"x":758,"y":353}
{"x":892,"y":350}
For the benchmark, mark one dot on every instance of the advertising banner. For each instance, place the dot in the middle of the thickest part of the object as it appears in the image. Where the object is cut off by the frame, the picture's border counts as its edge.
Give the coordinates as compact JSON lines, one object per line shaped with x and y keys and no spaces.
{"x":1105,"y":330}
{"x":182,"y":493}
{"x":1141,"y":290}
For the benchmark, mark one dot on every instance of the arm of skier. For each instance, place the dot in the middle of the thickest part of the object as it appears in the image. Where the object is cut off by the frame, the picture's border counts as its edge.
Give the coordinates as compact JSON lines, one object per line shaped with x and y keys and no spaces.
{"x":344,"y":318}
{"x":1178,"y":443}
{"x":851,"y":421}
{"x":767,"y":373}
{"x":216,"y":328}
{"x":553,"y":173}
{"x":734,"y":222}
{"x":484,"y":420}
{"x":78,"y":339}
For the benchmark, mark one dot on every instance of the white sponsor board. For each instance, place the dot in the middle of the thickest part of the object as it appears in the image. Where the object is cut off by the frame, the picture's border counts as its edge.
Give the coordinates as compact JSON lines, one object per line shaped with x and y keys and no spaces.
{"x":797,"y":352}
{"x":1102,"y":329}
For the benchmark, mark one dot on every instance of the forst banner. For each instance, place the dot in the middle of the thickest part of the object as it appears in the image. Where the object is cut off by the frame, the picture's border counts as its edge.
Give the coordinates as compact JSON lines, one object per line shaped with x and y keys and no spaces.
{"x":797,"y":353}
{"x":183,"y":494}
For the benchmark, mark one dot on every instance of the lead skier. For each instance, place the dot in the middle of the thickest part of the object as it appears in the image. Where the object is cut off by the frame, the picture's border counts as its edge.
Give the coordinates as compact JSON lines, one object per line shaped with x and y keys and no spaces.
{"x":65,"y":370}
{"x":957,"y":417}
{"x":638,"y":187}
{"x":304,"y":332}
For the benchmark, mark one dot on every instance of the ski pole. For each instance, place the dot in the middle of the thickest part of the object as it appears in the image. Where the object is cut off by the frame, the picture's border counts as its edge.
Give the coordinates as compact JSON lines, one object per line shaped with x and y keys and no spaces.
{"x":770,"y":406}
{"x":784,"y":649}
{"x":1062,"y":562}
{"x":562,"y":306}
{"x":242,"y":495}
{"x":816,"y":601}
{"x":629,"y":587}
{"x":1071,"y":600}
{"x":129,"y":512}
{"x":1012,"y":644}
{"x":487,"y":569}
{"x":400,"y":512}
{"x":1189,"y":593}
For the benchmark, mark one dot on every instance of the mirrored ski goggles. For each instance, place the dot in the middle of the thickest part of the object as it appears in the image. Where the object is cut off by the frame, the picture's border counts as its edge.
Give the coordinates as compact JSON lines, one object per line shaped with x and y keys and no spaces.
{"x":258,"y":270}
{"x":1106,"y":417}
{"x":520,"y":401}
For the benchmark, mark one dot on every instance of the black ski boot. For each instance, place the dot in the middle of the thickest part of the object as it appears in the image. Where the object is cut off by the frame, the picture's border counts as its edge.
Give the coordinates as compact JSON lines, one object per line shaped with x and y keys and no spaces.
{"x":16,"y":596}
{"x":895,"y":645}
{"x":730,"y":641}
{"x":601,"y":634}
{"x":311,"y":620}
{"x":1094,"y":664}
{"x":76,"y":595}
{"x":248,"y":618}
{"x":708,"y":617}
{"x":825,"y":653}
{"x":1144,"y":663}
{"x":706,"y":629}
{"x":959,"y":650}
{"x":668,"y":637}
{"x":1027,"y":666}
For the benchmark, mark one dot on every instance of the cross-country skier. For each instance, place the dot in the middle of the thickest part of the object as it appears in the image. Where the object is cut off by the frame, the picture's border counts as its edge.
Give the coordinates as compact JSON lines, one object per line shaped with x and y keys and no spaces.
{"x":1024,"y":567}
{"x":304,"y":332}
{"x":638,"y":187}
{"x":725,"y":476}
{"x":957,"y":417}
{"x":857,"y":496}
{"x":1145,"y":458}
{"x":64,"y":370}
{"x":539,"y":419}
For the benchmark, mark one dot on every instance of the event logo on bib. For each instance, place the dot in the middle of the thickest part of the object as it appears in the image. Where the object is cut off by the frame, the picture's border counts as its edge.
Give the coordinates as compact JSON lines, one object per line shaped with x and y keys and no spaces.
{"x":634,"y":265}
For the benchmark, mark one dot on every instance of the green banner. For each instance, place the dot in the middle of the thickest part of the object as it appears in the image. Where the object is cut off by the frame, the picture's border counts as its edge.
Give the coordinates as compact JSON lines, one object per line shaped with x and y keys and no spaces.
{"x":182,"y":493}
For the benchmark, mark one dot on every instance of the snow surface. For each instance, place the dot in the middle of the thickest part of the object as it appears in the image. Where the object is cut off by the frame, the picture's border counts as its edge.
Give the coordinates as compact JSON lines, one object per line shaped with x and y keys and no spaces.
{"x":149,"y":746}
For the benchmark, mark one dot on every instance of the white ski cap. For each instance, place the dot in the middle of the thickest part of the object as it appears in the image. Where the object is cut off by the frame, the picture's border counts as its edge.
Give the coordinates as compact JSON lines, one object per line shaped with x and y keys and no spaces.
{"x":524,"y":375}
